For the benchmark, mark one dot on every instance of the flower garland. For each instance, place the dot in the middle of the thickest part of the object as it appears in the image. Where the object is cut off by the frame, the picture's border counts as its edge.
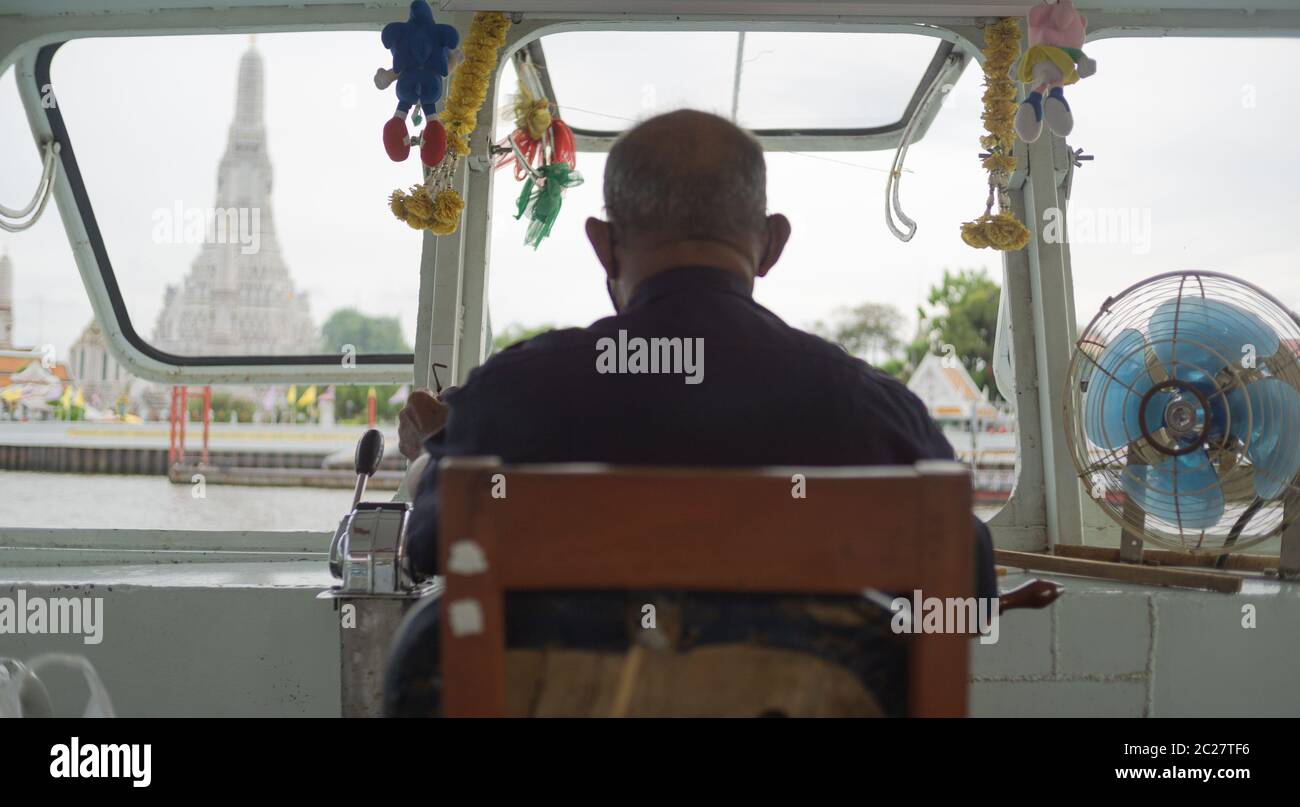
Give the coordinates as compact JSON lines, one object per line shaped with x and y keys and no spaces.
{"x":532,"y":115}
{"x":544,"y":154}
{"x":542,"y":197}
{"x":1001,"y":230}
{"x":435,"y":205}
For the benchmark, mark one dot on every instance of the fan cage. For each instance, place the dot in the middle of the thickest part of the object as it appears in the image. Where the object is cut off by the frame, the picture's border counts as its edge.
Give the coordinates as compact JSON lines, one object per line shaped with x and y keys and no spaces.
{"x":1102,"y":470}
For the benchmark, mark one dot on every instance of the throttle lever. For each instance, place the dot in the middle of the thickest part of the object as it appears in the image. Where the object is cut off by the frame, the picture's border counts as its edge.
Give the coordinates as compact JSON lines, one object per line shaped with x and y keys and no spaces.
{"x":370,"y":453}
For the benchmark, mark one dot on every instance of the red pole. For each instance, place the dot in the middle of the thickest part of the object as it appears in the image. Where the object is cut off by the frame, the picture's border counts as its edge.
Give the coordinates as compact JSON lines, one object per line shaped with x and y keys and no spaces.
{"x":370,"y":411}
{"x":171,"y":437}
{"x":207,"y":411}
{"x":185,"y":416}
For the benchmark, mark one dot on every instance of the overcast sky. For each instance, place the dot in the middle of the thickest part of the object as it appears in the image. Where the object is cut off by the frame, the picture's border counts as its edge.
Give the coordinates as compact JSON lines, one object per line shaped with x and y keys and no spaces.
{"x":1194,"y":146}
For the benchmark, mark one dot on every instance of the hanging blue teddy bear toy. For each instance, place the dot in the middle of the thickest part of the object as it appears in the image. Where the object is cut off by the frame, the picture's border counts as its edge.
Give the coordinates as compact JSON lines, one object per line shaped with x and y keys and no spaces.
{"x":422,"y":50}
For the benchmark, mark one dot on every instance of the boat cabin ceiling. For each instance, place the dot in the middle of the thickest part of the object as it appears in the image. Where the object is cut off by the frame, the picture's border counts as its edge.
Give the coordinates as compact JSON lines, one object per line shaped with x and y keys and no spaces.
{"x":191,"y":479}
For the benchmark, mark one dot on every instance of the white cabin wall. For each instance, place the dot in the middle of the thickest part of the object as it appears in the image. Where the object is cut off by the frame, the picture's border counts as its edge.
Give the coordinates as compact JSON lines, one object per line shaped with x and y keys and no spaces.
{"x":194,"y":639}
{"x":1119,"y":650}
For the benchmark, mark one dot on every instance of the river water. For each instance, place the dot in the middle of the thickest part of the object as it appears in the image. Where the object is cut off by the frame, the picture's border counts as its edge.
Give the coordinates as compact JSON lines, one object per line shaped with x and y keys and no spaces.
{"x":108,"y":501}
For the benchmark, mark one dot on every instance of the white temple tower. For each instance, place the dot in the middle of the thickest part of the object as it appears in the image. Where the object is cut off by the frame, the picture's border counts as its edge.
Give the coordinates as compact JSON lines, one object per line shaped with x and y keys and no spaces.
{"x":238,"y":297}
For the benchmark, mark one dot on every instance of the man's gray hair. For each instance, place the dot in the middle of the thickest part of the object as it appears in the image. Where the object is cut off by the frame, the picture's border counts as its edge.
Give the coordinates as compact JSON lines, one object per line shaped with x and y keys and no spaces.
{"x":686,"y":174}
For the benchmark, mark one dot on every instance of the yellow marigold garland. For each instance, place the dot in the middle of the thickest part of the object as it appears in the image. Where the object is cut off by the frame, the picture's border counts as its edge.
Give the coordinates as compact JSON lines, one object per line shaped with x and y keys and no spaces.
{"x":532,"y":115}
{"x":469,"y":84}
{"x":435,"y":205}
{"x":423,"y":211}
{"x":1001,"y":230}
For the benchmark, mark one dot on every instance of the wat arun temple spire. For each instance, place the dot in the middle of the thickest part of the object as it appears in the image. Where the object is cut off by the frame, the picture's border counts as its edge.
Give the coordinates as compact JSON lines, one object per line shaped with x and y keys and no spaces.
{"x":238,"y":298}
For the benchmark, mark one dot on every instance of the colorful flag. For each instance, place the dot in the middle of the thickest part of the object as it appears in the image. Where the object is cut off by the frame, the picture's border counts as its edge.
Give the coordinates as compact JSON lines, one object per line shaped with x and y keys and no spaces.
{"x":308,"y":396}
{"x":292,"y":395}
{"x":400,"y":396}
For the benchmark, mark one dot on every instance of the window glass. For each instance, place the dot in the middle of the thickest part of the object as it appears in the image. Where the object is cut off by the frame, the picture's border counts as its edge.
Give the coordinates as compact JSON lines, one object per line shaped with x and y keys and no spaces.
{"x":841,"y":81}
{"x":241,"y":187}
{"x":1184,"y":179}
{"x":22,"y":158}
{"x":43,"y":305}
{"x":823,"y":80}
{"x":277,"y":457}
{"x":843,"y":274}
{"x":83,"y":443}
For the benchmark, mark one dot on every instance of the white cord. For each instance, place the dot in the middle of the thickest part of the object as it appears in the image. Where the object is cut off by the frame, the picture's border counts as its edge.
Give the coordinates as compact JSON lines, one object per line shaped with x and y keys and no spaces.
{"x":44,"y":189}
{"x":528,"y":75}
{"x":893,"y":206}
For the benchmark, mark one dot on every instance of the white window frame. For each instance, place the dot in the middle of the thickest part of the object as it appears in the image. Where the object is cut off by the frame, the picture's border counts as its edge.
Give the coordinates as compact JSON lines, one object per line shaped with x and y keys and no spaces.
{"x":320,"y":369}
{"x":1039,"y":285}
{"x":452,"y":328}
{"x":459,"y":334}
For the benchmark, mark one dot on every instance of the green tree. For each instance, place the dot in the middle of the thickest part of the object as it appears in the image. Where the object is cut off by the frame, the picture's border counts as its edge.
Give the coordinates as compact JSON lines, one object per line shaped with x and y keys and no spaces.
{"x":870,"y":331}
{"x":515,"y":332}
{"x":961,"y":311}
{"x":366,"y":334}
{"x":350,"y":402}
{"x":223,"y":403}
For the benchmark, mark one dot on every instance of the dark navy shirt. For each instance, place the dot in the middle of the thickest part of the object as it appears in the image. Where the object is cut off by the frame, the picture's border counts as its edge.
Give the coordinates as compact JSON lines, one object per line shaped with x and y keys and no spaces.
{"x":767,"y":394}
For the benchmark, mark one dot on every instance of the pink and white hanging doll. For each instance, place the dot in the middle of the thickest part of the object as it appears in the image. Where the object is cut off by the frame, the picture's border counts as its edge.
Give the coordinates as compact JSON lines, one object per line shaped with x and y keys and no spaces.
{"x":1054,"y":60}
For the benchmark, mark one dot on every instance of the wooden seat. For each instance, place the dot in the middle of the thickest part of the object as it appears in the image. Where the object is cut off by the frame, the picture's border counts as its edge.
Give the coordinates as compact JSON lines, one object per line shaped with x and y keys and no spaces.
{"x":584,"y":528}
{"x":740,"y":680}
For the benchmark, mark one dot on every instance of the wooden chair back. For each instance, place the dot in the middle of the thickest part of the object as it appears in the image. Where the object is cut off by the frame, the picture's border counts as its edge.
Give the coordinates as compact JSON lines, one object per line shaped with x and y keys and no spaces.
{"x":834,"y":531}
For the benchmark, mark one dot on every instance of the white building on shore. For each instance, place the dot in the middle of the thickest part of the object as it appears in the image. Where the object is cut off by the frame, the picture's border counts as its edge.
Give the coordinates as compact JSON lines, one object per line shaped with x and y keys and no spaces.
{"x":982,"y":433}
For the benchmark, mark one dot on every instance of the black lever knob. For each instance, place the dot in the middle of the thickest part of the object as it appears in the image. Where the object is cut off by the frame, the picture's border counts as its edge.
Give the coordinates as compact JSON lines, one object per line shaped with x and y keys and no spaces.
{"x":370,"y":452}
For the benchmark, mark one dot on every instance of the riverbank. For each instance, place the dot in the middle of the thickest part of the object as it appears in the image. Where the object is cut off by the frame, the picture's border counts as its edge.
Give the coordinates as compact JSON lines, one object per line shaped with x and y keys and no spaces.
{"x":303,"y":455}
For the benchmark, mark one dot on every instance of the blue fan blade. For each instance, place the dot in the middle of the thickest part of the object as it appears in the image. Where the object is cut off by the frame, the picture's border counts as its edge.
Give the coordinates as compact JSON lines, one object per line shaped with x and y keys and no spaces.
{"x":1272,"y":433}
{"x":1116,"y":385}
{"x":1188,"y":496}
{"x":1195,"y":338}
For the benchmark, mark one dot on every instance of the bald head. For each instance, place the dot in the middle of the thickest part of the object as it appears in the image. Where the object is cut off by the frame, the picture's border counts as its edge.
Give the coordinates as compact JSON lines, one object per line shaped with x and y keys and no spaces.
{"x":685,"y":189}
{"x":686,"y":174}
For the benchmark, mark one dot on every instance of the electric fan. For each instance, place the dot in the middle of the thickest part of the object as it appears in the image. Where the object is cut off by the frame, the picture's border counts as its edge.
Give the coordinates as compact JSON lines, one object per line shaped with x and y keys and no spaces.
{"x":1183,"y":412}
